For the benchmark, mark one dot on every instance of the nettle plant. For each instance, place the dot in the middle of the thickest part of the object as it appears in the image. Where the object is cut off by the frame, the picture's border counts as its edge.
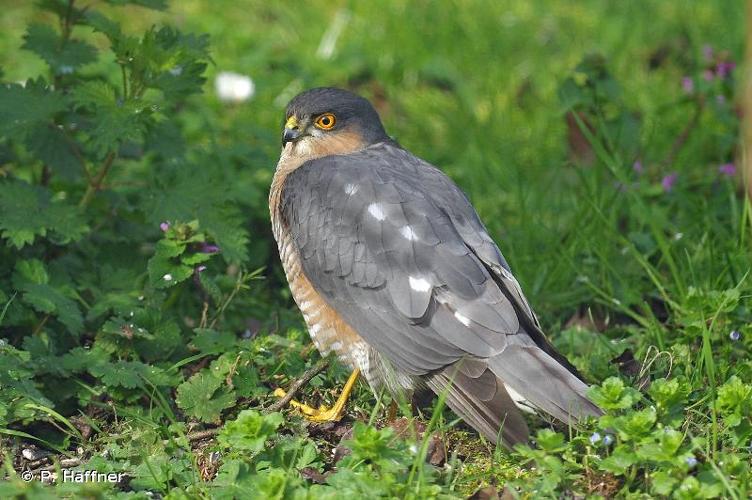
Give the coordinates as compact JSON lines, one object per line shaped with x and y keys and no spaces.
{"x":119,"y":245}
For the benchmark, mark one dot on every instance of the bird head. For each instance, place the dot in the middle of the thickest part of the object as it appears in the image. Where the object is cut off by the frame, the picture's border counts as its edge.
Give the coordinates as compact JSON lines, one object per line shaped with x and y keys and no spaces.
{"x":325,"y":121}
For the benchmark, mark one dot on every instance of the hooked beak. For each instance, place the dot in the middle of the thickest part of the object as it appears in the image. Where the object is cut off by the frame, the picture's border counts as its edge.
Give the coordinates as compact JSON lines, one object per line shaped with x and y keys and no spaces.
{"x":292,"y":131}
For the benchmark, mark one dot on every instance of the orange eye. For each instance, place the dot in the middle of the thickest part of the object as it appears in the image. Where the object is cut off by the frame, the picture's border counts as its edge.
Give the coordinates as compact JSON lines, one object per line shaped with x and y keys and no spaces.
{"x":325,"y":121}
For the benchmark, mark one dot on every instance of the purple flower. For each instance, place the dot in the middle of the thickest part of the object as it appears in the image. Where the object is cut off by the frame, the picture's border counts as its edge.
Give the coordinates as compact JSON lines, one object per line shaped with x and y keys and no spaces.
{"x":720,"y":99}
{"x":735,"y":335}
{"x":727,"y":169}
{"x":724,"y":69}
{"x":207,"y":248}
{"x":707,"y":75}
{"x":608,"y":439}
{"x":691,"y":462}
{"x":637,"y":167}
{"x":668,"y":181}
{"x":200,"y":269}
{"x":707,"y":51}
{"x":688,"y":85}
{"x":164,"y":226}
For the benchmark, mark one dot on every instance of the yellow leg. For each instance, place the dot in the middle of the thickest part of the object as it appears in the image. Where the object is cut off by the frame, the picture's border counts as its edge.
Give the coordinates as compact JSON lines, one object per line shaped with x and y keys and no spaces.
{"x":324,"y":414}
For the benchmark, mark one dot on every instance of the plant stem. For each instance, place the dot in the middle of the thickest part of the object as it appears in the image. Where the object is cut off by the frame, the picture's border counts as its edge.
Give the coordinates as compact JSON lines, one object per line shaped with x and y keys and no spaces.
{"x":125,"y":82}
{"x":298,"y":384}
{"x":96,"y":183}
{"x":67,"y":21}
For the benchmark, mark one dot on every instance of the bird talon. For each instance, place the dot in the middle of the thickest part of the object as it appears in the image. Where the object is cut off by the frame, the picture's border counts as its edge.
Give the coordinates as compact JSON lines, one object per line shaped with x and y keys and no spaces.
{"x":324,"y":413}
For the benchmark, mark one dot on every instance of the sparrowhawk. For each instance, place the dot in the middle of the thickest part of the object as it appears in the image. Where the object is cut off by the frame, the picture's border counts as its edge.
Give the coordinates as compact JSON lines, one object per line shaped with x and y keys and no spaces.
{"x":396,"y":274}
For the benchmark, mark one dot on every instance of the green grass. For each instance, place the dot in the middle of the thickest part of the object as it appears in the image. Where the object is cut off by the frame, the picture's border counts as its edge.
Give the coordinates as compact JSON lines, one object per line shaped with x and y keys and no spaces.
{"x":506,"y":98}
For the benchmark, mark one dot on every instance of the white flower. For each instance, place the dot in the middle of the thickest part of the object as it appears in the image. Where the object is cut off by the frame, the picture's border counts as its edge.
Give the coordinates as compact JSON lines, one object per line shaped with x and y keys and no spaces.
{"x":167,"y":277}
{"x":232,"y":87}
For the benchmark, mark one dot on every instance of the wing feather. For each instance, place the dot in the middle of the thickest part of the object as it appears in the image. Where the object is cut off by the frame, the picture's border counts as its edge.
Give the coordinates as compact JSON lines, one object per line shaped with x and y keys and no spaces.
{"x":395,"y":247}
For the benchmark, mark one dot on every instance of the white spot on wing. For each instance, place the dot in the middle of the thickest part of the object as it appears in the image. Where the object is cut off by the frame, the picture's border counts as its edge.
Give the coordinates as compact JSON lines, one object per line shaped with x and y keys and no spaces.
{"x":408,"y":233}
{"x":462,"y":319}
{"x":351,"y":189}
{"x":419,"y":284}
{"x":376,"y":211}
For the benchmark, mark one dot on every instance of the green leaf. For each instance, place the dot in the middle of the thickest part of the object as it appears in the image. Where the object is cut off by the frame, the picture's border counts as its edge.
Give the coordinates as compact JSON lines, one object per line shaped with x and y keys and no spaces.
{"x":692,"y":488}
{"x":171,"y":62}
{"x":204,"y":397}
{"x":210,"y":286}
{"x":47,"y":299}
{"x":735,"y":401}
{"x":666,"y":447}
{"x":669,"y":394}
{"x":119,"y":374}
{"x":24,"y":106}
{"x":165,"y":338}
{"x":636,"y":424}
{"x":190,"y":193}
{"x":663,"y":483}
{"x":549,"y":440}
{"x":207,"y":340}
{"x":612,"y":394}
{"x":619,"y":461}
{"x":49,"y":145}
{"x":31,"y":271}
{"x":112,"y":120}
{"x":250,"y":430}
{"x":28,"y":211}
{"x":62,"y":57}
{"x":80,"y":359}
{"x":378,"y":446}
{"x":164,"y":273}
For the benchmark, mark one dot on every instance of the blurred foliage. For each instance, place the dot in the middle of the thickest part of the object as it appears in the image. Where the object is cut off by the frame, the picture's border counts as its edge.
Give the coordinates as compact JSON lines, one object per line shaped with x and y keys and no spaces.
{"x":598,"y":141}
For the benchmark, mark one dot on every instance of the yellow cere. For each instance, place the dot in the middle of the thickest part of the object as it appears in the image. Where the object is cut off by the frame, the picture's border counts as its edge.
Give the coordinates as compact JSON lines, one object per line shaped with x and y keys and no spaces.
{"x":291,"y":122}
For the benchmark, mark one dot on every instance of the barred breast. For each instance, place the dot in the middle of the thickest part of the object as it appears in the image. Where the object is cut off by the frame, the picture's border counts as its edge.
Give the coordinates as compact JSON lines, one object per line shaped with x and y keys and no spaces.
{"x":326,"y":328}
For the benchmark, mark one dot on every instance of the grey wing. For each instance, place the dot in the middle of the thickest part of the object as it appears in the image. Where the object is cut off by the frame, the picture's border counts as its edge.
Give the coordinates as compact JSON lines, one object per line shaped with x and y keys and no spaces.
{"x":386,"y":254}
{"x":391,"y":262}
{"x":469,"y":226}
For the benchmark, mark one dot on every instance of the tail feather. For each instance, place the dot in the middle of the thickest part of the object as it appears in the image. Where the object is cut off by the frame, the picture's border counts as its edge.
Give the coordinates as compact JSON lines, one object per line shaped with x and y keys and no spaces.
{"x":544,"y":382}
{"x":482,"y":401}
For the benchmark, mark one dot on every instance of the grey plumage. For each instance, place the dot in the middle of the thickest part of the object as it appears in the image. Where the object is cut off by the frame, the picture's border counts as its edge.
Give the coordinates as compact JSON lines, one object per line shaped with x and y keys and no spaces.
{"x":393,"y":249}
{"x":396,"y":248}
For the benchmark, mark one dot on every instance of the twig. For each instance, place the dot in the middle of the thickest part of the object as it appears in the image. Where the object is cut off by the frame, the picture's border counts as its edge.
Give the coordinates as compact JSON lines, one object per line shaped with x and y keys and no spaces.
{"x":77,"y":153}
{"x":298,"y":384}
{"x":238,"y":286}
{"x":65,"y":463}
{"x":199,"y":435}
{"x":96,"y":183}
{"x":41,"y":324}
